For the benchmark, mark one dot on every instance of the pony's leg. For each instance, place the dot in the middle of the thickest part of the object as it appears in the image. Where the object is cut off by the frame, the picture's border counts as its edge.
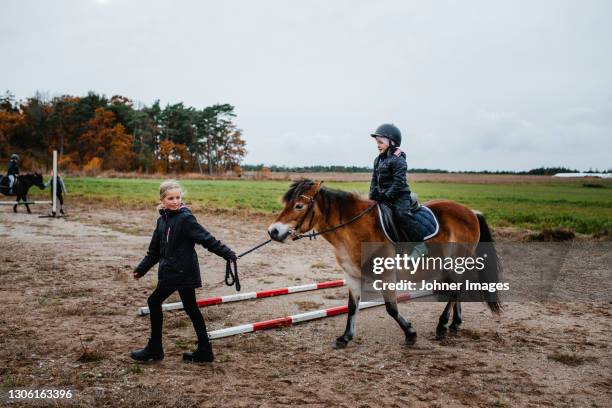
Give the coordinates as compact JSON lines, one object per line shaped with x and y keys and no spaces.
{"x":454,"y":326}
{"x":25,"y":200}
{"x":16,"y":205}
{"x":441,"y":330}
{"x":353,"y":307}
{"x":391,"y":306}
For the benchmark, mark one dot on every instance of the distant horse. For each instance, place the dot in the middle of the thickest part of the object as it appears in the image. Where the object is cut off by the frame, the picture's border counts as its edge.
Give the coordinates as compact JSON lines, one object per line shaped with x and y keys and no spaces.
{"x":21,"y":187}
{"x":309,"y":206}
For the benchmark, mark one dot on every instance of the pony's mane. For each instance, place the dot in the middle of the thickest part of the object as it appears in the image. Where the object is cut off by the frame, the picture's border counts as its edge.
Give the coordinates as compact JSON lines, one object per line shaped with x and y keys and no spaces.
{"x":330,"y":197}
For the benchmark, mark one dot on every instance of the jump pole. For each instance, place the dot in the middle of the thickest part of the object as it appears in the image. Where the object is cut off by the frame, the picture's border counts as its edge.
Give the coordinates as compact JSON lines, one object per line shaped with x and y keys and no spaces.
{"x":23,"y":202}
{"x":304,"y":317}
{"x":250,"y":295}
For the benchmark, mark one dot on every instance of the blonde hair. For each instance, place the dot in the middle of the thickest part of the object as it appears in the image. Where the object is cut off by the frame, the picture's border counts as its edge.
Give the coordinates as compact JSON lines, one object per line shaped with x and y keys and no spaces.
{"x":167,"y":186}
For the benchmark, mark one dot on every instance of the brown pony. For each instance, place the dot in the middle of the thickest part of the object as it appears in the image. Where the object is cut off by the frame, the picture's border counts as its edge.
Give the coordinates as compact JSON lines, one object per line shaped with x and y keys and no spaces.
{"x":309,"y":206}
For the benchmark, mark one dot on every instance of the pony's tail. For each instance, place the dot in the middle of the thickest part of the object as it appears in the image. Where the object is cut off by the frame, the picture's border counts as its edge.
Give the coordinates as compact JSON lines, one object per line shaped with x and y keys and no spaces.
{"x":490,"y":273}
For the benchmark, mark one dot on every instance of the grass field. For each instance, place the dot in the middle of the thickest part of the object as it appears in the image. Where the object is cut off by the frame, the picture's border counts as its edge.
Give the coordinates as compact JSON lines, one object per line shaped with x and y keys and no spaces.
{"x":534,"y":205}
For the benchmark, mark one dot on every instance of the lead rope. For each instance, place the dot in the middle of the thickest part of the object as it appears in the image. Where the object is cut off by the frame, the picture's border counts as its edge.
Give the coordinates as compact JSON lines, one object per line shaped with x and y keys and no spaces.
{"x":231,"y":274}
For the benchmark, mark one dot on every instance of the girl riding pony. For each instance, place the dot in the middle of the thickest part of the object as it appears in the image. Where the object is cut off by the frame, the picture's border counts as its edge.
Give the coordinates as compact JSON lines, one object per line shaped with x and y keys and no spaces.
{"x":389,"y":185}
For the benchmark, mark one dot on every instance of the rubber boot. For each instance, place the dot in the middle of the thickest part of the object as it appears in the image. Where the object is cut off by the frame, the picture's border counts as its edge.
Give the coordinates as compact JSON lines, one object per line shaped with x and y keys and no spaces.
{"x":153,"y":351}
{"x":203,"y":354}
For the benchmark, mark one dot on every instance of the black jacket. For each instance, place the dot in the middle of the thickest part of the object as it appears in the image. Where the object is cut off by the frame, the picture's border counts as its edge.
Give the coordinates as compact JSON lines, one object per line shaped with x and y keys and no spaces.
{"x":389,"y":176}
{"x":173,"y":246}
{"x":13,"y":168}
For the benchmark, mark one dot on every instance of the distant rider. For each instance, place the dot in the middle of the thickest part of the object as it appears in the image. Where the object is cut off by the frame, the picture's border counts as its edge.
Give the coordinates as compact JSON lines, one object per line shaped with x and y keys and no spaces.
{"x":13,"y":171}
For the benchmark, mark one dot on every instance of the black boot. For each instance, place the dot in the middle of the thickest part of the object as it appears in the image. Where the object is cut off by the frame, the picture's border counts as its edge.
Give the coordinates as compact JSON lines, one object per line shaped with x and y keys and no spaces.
{"x":203,"y":354}
{"x":152,"y":352}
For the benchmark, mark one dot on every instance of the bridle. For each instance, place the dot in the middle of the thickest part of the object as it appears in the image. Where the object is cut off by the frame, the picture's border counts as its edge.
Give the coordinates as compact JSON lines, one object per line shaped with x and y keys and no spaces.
{"x":309,"y":211}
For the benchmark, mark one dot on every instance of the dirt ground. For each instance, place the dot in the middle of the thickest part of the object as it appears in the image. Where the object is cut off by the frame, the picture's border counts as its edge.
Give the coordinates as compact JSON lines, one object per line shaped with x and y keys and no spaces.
{"x":68,"y":320}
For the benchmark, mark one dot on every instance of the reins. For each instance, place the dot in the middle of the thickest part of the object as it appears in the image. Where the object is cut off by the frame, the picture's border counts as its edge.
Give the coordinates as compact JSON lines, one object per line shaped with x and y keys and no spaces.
{"x":313,"y":234}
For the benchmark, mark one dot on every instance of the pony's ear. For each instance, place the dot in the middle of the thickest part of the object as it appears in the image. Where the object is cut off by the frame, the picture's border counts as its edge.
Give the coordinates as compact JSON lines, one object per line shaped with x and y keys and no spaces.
{"x":319,"y":184}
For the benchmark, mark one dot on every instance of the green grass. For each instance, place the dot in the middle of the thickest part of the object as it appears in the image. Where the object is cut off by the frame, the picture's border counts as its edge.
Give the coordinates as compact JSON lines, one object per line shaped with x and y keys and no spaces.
{"x":525,"y":205}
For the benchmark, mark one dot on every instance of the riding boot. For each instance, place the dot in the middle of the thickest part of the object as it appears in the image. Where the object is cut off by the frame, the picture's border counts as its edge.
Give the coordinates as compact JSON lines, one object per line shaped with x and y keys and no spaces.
{"x":203,"y":354}
{"x":153,"y":351}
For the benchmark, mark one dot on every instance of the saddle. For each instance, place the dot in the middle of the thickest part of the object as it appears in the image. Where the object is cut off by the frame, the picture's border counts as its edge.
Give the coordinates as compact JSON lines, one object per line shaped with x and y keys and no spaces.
{"x":423,"y":215}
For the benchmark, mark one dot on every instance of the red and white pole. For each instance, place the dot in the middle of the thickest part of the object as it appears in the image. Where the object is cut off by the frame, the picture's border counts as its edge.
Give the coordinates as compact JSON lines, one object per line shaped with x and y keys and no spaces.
{"x":250,"y":295}
{"x":304,"y":317}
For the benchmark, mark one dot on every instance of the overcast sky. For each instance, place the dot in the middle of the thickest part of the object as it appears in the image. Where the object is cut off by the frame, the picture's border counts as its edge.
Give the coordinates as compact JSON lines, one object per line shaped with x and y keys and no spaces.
{"x":472,"y":84}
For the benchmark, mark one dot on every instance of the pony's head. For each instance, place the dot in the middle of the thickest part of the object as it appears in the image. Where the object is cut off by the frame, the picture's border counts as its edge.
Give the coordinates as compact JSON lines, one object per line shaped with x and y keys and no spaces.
{"x":298,"y":215}
{"x":37,"y":180}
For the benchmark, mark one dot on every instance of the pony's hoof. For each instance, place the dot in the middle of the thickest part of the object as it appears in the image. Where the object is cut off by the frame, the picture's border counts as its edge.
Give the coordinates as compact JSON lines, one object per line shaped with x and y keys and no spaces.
{"x":441,"y":333}
{"x":411,"y":337}
{"x":454,"y":328}
{"x":340,"y":344}
{"x":410,"y":340}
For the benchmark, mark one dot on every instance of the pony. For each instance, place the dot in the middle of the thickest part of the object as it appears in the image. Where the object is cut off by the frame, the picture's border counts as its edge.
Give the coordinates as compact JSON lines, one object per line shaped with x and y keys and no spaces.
{"x":308,"y":206}
{"x":21,"y":187}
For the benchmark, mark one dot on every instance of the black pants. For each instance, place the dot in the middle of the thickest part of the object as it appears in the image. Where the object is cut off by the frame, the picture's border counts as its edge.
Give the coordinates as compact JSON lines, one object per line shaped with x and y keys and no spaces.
{"x":189,"y":304}
{"x":60,"y":197}
{"x":406,"y":220}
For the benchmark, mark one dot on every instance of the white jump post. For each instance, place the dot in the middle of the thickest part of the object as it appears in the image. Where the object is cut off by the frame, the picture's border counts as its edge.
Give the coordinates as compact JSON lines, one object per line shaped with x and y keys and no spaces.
{"x":54,"y":191}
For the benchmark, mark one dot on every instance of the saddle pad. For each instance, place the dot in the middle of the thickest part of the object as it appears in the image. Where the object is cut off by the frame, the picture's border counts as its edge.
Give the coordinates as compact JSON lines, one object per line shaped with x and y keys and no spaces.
{"x":424,"y":217}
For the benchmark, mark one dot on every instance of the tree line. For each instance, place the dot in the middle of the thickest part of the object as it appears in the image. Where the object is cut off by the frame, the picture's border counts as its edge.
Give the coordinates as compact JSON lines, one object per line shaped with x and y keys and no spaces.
{"x":95,"y":133}
{"x":547,"y":171}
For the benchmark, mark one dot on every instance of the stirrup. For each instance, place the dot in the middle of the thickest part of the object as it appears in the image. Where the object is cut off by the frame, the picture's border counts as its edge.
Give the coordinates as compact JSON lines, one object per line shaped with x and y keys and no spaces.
{"x":419,"y":249}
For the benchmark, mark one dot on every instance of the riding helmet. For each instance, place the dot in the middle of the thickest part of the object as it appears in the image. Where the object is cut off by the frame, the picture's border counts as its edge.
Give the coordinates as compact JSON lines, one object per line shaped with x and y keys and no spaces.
{"x":390,"y":131}
{"x":14,"y":157}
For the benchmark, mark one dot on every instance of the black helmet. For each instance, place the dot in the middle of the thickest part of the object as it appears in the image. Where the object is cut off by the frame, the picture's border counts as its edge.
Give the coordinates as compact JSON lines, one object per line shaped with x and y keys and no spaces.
{"x":14,"y":157}
{"x":389,"y":131}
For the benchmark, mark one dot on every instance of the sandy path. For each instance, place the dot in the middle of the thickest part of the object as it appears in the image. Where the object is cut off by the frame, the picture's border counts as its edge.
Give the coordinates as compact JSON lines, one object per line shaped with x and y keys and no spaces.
{"x":65,"y":287}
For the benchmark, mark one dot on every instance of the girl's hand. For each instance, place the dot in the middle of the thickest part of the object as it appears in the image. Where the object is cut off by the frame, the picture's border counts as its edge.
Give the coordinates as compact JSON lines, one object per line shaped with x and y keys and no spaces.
{"x":231,"y":256}
{"x":136,"y":275}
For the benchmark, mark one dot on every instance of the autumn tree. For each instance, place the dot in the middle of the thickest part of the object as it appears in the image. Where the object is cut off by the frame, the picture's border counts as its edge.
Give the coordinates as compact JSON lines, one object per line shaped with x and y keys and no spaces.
{"x":10,"y":119}
{"x":120,"y":133}
{"x":108,"y":141}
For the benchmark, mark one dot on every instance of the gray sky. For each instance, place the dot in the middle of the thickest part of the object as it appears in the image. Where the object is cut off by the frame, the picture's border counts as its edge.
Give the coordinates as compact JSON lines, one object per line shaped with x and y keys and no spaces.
{"x":471,"y":84}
